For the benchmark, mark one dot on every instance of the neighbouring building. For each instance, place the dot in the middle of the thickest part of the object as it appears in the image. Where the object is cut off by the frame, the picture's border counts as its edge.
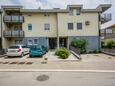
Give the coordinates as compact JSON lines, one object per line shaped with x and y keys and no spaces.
{"x":109,"y":15}
{"x":53,"y":28}
{"x":108,"y":33}
{"x":0,"y":29}
{"x":108,"y":24}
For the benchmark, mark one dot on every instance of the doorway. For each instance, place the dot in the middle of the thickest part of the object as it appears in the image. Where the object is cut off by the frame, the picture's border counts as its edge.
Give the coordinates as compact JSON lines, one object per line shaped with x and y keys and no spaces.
{"x":63,"y":42}
{"x":52,"y":43}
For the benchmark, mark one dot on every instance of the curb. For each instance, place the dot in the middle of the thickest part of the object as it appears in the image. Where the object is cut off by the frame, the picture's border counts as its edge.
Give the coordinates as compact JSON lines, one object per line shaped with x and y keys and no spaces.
{"x":55,"y":70}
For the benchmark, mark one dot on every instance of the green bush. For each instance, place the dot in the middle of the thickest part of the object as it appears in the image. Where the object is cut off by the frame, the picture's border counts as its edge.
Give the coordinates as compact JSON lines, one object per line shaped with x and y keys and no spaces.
{"x":81,"y":44}
{"x":103,"y":45}
{"x":62,"y":53}
{"x":110,"y":44}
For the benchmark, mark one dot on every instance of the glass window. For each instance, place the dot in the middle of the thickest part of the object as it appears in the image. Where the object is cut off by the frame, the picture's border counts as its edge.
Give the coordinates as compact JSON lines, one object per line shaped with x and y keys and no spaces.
{"x":77,"y":11}
{"x":24,"y":46}
{"x":30,"y":42}
{"x":46,"y":26}
{"x":79,"y":26}
{"x":18,"y":41}
{"x":71,"y":12}
{"x":14,"y":47}
{"x":70,"y":26}
{"x":29,"y":26}
{"x":35,"y":41}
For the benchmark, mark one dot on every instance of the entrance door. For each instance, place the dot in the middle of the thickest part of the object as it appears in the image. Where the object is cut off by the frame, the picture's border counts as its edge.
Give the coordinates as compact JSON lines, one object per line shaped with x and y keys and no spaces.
{"x":63,"y":42}
{"x":52,"y":43}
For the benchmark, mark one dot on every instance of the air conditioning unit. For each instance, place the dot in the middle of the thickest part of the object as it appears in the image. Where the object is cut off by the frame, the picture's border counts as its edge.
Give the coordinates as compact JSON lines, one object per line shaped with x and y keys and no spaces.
{"x":87,"y":23}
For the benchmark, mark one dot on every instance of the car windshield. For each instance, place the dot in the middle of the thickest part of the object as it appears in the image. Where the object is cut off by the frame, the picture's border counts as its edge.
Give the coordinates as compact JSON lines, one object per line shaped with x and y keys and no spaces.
{"x":36,"y":48}
{"x":14,"y":47}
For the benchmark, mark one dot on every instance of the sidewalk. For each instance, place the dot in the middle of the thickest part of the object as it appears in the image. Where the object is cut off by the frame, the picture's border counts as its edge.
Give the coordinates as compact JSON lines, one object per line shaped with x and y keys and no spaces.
{"x":88,"y":62}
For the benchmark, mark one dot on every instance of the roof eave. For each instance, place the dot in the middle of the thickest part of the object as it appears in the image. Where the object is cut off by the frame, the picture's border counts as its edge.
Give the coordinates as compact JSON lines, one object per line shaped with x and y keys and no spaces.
{"x":103,"y":7}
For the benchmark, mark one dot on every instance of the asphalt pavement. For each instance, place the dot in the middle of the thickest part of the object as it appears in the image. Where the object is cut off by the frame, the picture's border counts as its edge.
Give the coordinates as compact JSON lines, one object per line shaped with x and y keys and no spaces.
{"x":57,"y":79}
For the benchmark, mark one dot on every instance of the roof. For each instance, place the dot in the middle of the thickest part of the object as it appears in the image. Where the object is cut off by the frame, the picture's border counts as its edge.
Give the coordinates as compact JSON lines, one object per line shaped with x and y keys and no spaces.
{"x":111,"y":26}
{"x":101,"y":8}
{"x":74,"y":6}
{"x":104,"y":7}
{"x":43,"y":10}
{"x":11,"y":6}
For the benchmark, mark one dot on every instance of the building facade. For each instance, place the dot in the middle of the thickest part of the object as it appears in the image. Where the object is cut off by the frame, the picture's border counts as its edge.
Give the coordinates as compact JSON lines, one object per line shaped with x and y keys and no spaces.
{"x":108,"y":34}
{"x":52,"y":28}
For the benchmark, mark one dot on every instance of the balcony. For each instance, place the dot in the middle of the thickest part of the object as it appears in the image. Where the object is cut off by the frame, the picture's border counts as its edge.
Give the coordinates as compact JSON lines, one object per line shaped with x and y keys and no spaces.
{"x":13,"y":33}
{"x":106,"y":17}
{"x":13,"y":19}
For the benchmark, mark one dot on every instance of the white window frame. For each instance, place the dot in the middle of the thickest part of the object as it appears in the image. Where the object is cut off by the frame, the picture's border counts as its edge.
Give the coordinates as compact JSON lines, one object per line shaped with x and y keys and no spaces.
{"x":46,"y":26}
{"x":31,"y":41}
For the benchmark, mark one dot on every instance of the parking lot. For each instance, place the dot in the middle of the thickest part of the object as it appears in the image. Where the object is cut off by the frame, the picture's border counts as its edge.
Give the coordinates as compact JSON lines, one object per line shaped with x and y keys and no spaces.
{"x":26,"y":59}
{"x":88,"y":62}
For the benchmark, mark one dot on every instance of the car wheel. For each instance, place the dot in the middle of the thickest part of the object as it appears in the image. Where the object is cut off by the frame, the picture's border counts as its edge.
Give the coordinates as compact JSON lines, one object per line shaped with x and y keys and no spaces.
{"x":22,"y":54}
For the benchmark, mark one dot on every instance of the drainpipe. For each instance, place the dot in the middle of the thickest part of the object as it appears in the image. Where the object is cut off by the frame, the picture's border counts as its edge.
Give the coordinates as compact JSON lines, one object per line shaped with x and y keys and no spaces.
{"x":1,"y":31}
{"x":57,"y":33}
{"x":99,"y":40}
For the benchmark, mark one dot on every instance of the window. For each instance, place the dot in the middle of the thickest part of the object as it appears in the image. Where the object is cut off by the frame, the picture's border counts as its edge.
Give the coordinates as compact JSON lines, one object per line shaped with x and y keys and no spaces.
{"x":29,"y":26}
{"x":46,"y":14}
{"x":18,"y":41}
{"x":70,"y":26}
{"x":78,"y":11}
{"x":24,"y":46}
{"x":46,"y":26}
{"x":35,"y":41}
{"x":71,"y":12}
{"x":79,"y":26}
{"x":14,"y":47}
{"x":30,"y":42}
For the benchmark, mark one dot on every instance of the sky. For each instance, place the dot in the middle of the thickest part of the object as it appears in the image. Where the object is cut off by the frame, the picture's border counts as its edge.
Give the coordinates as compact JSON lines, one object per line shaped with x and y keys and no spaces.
{"x":46,"y":4}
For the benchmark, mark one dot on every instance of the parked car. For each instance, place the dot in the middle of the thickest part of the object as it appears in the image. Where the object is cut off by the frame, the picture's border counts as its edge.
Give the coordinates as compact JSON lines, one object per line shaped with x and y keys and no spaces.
{"x":37,"y":51}
{"x":17,"y":50}
{"x":45,"y":49}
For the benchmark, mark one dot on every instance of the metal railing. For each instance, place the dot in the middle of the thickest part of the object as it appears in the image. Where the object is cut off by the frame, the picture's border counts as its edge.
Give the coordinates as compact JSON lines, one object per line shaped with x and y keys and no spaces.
{"x":106,"y":17}
{"x":13,"y":33}
{"x":13,"y":19}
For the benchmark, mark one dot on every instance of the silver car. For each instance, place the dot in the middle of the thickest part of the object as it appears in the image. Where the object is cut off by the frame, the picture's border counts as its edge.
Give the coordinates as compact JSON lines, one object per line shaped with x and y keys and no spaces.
{"x":17,"y":50}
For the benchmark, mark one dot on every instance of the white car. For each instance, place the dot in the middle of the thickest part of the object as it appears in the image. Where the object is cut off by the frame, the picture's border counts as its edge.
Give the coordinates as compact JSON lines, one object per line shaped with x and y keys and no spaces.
{"x":17,"y":50}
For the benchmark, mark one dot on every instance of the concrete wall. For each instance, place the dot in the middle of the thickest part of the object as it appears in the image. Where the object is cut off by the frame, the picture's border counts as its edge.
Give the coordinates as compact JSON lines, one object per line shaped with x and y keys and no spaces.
{"x":90,"y":30}
{"x":38,"y":21}
{"x":92,"y":41}
{"x":41,"y":41}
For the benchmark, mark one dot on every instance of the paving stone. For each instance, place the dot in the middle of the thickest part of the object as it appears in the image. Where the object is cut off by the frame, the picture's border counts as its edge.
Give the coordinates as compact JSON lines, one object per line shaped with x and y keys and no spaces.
{"x":21,"y":62}
{"x":29,"y":63}
{"x":5,"y":62}
{"x":13,"y":62}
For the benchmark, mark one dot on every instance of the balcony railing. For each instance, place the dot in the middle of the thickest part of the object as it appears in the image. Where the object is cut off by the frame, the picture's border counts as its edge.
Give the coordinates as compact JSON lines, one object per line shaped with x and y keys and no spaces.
{"x":12,"y":33}
{"x":13,"y":19}
{"x":106,"y":17}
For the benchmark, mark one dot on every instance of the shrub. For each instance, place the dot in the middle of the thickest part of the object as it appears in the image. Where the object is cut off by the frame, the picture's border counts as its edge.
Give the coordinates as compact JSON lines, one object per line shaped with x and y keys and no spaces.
{"x":103,"y":45}
{"x":81,"y":44}
{"x":110,"y":44}
{"x":62,"y":53}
